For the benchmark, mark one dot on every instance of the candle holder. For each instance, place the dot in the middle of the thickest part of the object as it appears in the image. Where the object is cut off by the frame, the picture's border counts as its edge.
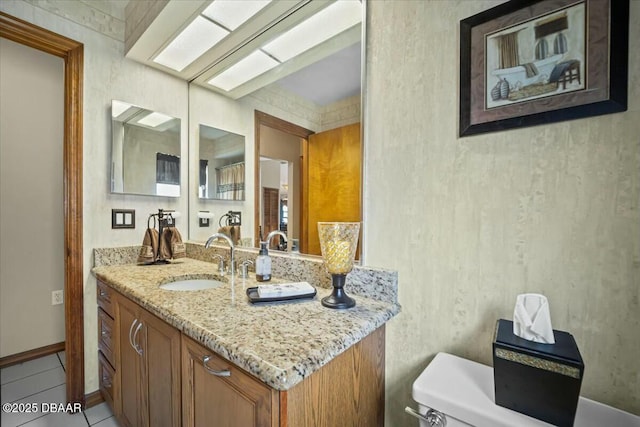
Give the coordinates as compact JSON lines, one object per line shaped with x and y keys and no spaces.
{"x":338,"y":242}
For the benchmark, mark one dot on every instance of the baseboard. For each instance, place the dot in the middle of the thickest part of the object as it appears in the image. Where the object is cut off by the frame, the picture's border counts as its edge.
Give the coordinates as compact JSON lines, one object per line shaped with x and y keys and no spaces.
{"x":93,"y":399}
{"x":25,"y":356}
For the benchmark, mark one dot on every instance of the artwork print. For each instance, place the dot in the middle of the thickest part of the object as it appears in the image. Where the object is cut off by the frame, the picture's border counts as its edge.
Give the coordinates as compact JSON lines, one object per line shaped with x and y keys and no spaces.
{"x":536,"y":59}
{"x":533,"y":62}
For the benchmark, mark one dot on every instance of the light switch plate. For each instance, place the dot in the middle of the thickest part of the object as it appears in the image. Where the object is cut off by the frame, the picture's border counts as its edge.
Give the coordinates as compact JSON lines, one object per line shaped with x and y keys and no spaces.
{"x":123,"y":218}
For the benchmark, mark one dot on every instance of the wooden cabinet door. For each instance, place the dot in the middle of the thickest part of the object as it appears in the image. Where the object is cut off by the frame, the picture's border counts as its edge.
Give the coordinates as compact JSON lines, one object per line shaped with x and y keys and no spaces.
{"x":236,"y":400}
{"x":149,"y":368}
{"x":161,"y":372}
{"x":129,"y":363}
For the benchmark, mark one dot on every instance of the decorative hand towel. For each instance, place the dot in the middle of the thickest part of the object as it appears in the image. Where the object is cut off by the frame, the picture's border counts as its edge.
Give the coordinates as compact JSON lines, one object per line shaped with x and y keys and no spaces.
{"x":235,"y":234}
{"x":178,"y":248}
{"x":164,"y":248}
{"x":149,"y":249}
{"x":233,"y":231}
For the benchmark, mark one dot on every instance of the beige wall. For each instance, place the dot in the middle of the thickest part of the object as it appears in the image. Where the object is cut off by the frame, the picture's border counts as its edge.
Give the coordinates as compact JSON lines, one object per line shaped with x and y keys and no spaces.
{"x":31,"y":211}
{"x":107,"y":75}
{"x":469,"y":223}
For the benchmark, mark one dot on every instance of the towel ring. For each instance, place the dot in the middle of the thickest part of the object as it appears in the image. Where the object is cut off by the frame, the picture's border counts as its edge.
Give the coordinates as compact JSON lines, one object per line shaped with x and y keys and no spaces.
{"x":154,"y":221}
{"x":228,"y":222}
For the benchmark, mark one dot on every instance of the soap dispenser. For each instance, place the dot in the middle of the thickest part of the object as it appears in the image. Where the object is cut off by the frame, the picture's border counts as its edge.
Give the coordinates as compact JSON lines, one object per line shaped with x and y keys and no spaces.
{"x":263,"y":264}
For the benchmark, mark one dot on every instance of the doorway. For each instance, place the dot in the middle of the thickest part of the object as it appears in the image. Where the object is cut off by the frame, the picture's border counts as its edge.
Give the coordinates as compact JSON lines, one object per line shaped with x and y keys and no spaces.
{"x":295,"y":197}
{"x":72,"y":53}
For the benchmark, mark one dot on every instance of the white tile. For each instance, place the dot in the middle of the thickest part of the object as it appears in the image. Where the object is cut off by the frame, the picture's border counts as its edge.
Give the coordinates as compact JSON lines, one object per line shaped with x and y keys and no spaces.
{"x":97,"y":413}
{"x":63,"y":358}
{"x":33,"y":384}
{"x":29,"y":368}
{"x":109,"y":422}
{"x":58,"y":420}
{"x":53,"y":395}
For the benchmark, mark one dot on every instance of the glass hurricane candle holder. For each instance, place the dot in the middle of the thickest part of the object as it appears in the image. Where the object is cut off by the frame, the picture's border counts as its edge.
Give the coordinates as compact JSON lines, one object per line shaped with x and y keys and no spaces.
{"x":338,"y":243}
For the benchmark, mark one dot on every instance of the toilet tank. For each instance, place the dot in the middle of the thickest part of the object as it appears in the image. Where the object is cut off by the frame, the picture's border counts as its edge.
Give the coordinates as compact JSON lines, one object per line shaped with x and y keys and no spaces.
{"x":462,"y":391}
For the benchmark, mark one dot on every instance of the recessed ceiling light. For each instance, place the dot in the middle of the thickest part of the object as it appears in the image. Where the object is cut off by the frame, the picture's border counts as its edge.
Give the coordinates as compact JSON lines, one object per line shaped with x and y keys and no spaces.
{"x":233,"y":13}
{"x":154,"y":119}
{"x":246,"y":69}
{"x":319,"y":28}
{"x":198,"y":37}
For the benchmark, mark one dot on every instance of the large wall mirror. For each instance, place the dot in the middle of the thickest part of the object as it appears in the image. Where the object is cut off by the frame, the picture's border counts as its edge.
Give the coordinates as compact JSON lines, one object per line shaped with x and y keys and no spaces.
{"x":145,"y":151}
{"x":279,"y":119}
{"x":221,"y":166}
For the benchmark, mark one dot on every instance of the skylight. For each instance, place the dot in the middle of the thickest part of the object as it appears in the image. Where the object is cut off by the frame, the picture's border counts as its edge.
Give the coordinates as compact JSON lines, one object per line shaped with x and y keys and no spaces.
{"x":329,"y":22}
{"x":198,"y":37}
{"x":317,"y":29}
{"x":244,"y":70}
{"x":154,"y":119}
{"x":231,"y":14}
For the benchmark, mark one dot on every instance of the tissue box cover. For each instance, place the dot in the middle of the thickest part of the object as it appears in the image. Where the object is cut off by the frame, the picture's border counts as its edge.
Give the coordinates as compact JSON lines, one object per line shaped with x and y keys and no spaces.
{"x":539,"y":380}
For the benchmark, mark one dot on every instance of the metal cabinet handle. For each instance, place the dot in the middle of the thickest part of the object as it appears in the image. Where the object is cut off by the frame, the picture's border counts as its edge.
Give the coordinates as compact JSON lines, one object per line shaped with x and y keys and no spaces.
{"x":133,"y":324}
{"x":224,"y":373}
{"x":106,"y":382}
{"x":433,"y":418}
{"x":136,"y":346}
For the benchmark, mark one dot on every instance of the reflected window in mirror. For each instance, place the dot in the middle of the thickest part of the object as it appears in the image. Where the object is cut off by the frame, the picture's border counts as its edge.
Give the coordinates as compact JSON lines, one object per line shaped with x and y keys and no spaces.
{"x":145,"y":152}
{"x":221,"y":164}
{"x":167,"y":175}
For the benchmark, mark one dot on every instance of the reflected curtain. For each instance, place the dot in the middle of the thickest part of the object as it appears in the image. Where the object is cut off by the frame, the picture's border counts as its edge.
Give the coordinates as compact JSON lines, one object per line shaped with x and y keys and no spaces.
{"x":230,"y":181}
{"x":167,"y":169}
{"x":203,"y":184}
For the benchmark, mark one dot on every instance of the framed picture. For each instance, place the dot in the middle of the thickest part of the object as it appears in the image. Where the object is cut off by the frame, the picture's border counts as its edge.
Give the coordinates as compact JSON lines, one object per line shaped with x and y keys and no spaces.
{"x":531,"y":62}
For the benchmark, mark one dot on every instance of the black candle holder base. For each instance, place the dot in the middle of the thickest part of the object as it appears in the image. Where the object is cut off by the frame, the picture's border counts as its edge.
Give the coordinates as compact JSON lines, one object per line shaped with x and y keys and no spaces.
{"x":338,"y":298}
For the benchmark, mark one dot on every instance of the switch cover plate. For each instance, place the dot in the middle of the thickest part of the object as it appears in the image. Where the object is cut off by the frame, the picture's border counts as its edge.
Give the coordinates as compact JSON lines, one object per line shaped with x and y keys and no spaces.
{"x":123,"y":218}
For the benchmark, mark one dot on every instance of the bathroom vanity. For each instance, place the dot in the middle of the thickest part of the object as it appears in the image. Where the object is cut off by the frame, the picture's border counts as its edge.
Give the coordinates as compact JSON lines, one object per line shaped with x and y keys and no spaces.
{"x":191,"y":357}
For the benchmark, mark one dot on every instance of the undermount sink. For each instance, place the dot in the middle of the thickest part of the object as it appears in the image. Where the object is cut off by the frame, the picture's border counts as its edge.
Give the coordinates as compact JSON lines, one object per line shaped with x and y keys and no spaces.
{"x":191,"y":285}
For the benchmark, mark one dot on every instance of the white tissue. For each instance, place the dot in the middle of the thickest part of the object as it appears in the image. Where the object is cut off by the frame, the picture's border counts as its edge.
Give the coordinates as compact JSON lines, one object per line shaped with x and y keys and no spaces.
{"x":531,"y":319}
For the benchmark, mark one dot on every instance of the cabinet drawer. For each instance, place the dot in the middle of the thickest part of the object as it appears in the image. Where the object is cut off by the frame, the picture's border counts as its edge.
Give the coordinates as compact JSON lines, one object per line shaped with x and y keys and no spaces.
{"x":105,"y":297}
{"x":107,"y":377}
{"x":106,"y":339}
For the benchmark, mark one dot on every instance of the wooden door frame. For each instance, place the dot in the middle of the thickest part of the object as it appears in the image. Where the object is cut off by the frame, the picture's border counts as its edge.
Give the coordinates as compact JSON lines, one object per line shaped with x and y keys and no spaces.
{"x":264,"y":119}
{"x":72,"y":52}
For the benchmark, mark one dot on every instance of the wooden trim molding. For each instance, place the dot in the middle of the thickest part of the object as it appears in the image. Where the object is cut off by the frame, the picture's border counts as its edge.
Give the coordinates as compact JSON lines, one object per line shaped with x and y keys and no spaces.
{"x":93,"y":399}
{"x":72,"y":52}
{"x":264,"y":119}
{"x":25,"y":356}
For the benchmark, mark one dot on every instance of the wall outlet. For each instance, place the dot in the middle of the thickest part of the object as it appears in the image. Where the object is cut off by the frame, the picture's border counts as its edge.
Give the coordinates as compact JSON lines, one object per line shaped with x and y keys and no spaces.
{"x":57,"y":297}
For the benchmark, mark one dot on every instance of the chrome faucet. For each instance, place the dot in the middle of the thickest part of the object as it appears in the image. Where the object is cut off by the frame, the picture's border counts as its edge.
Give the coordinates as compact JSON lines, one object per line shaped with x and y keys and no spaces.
{"x":273,"y":233}
{"x":213,"y":237}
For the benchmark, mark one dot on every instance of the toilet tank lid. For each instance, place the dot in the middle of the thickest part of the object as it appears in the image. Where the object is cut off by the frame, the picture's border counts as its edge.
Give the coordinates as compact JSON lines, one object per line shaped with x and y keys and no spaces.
{"x":463,"y":389}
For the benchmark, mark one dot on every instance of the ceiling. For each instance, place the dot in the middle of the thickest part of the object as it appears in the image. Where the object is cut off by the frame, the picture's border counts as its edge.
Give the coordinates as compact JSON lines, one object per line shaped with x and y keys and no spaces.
{"x":329,"y":80}
{"x":325,"y":73}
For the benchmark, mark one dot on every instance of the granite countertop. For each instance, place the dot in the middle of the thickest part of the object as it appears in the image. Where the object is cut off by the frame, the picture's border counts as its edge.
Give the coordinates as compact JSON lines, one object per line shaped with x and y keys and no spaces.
{"x":279,"y":343}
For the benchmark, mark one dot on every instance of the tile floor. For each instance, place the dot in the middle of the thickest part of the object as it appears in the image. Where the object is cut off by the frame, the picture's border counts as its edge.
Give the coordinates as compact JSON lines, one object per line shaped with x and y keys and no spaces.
{"x":40,"y":384}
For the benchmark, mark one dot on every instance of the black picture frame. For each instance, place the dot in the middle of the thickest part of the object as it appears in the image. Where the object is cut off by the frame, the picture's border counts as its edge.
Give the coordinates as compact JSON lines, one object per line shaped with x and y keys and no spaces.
{"x":604,"y":67}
